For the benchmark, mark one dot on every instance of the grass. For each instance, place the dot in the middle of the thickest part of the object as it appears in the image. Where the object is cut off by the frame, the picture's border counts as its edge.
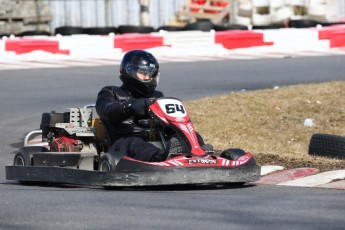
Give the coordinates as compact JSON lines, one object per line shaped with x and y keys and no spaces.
{"x":270,"y":123}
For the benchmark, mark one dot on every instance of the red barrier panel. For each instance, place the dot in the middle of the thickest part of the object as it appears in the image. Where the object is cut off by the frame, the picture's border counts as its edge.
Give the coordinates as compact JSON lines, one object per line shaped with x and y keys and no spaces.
{"x":21,"y":46}
{"x":327,"y":32}
{"x":240,"y":39}
{"x":337,"y":39}
{"x":137,"y":41}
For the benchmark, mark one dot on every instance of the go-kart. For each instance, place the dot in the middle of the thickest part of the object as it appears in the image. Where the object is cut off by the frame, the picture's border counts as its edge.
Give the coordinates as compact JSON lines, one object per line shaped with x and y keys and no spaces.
{"x":74,"y":148}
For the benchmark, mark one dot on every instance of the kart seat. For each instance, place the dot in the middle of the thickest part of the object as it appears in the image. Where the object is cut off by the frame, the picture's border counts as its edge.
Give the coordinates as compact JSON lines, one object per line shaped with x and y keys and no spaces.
{"x":107,"y":138}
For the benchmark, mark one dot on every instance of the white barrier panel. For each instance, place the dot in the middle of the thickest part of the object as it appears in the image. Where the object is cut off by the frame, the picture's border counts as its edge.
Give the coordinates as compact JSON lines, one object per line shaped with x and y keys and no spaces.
{"x":89,"y":46}
{"x":301,"y":39}
{"x":187,"y":38}
{"x":2,"y":46}
{"x":189,"y":43}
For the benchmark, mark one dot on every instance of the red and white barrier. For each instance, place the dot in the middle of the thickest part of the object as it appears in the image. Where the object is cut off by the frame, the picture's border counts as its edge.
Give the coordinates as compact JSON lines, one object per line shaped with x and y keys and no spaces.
{"x":335,"y":34}
{"x":180,"y":43}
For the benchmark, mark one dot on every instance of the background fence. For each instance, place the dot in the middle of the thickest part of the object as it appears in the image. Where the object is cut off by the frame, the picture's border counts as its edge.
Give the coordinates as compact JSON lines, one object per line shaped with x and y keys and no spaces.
{"x":99,"y":13}
{"x":17,"y":16}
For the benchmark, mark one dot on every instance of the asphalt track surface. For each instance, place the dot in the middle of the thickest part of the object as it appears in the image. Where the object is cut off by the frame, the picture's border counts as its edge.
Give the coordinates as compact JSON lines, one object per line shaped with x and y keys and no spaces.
{"x":25,"y":94}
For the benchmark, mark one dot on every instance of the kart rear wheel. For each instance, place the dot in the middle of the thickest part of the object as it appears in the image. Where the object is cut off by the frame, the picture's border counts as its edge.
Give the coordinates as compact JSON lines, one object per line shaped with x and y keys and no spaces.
{"x":23,"y":157}
{"x":107,"y":163}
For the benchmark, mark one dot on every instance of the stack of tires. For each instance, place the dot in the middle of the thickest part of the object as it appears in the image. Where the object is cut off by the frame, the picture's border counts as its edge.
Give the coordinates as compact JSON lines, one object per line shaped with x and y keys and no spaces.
{"x":68,"y":30}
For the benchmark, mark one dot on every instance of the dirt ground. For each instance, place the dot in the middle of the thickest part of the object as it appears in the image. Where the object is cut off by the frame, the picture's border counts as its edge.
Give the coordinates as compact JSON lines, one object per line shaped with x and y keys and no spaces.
{"x":270,"y":123}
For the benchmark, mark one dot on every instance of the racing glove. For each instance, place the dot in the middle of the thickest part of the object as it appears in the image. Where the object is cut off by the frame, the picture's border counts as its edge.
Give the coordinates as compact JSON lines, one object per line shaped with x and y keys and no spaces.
{"x":140,"y":106}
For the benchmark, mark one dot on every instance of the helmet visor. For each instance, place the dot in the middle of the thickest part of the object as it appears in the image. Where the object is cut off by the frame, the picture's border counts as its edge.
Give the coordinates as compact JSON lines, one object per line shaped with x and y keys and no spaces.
{"x":142,"y":72}
{"x":146,"y":70}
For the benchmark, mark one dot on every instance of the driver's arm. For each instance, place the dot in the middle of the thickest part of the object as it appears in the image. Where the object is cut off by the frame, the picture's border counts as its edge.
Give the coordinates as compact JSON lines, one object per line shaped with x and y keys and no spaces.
{"x":111,"y":108}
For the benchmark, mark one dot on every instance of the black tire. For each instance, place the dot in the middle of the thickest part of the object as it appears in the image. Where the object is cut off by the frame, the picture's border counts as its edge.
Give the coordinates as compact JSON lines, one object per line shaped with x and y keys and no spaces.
{"x":304,"y":23}
{"x":23,"y":157}
{"x":327,"y":145}
{"x":33,"y":33}
{"x":4,"y":35}
{"x":201,"y":25}
{"x":107,"y":162}
{"x":225,"y":27}
{"x":68,"y":30}
{"x":331,"y":23}
{"x":176,"y":144}
{"x":124,"y":29}
{"x":99,"y":30}
{"x":274,"y":26}
{"x":170,"y":28}
{"x":233,"y":154}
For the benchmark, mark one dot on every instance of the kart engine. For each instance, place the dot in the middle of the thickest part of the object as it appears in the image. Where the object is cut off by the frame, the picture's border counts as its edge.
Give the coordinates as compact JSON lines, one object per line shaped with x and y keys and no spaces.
{"x":65,"y":144}
{"x":64,"y":131}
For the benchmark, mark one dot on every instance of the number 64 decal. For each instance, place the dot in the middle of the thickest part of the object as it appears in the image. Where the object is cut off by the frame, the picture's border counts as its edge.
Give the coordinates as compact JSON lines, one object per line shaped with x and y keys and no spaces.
{"x":172,"y":108}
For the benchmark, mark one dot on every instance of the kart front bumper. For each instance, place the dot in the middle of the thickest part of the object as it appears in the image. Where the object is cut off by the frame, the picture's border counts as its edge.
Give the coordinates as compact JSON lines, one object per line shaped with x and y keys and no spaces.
{"x":167,"y":176}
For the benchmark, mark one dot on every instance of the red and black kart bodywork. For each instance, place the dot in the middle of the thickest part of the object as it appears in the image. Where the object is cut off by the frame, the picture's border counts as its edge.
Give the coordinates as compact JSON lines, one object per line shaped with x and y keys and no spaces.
{"x":56,"y":165}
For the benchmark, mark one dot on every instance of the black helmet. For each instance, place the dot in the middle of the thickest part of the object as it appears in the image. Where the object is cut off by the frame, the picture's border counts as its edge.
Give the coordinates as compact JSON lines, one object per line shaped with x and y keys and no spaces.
{"x":139,"y":61}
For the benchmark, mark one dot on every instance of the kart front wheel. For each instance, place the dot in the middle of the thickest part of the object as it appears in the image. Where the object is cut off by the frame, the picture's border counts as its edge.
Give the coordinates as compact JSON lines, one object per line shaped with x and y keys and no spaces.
{"x":233,"y":154}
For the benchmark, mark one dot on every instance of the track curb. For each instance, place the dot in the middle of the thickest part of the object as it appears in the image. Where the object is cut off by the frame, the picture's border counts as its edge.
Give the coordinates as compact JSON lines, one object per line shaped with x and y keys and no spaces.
{"x":301,"y":177}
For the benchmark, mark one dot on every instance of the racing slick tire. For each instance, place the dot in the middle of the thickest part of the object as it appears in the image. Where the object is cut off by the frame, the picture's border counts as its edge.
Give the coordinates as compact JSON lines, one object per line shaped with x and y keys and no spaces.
{"x":327,"y":145}
{"x":23,"y":157}
{"x":233,"y":154}
{"x":107,"y":162}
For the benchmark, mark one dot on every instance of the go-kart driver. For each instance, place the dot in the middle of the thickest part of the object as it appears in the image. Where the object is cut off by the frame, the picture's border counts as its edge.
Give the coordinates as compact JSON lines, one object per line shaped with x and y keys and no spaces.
{"x":120,"y":107}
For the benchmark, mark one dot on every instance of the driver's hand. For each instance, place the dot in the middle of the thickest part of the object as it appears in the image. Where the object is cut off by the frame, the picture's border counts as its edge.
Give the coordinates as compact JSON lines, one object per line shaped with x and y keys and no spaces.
{"x":140,"y":106}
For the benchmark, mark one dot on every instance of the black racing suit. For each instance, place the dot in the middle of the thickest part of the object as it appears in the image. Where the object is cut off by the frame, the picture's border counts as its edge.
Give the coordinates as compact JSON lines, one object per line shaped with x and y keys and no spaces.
{"x":113,"y":105}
